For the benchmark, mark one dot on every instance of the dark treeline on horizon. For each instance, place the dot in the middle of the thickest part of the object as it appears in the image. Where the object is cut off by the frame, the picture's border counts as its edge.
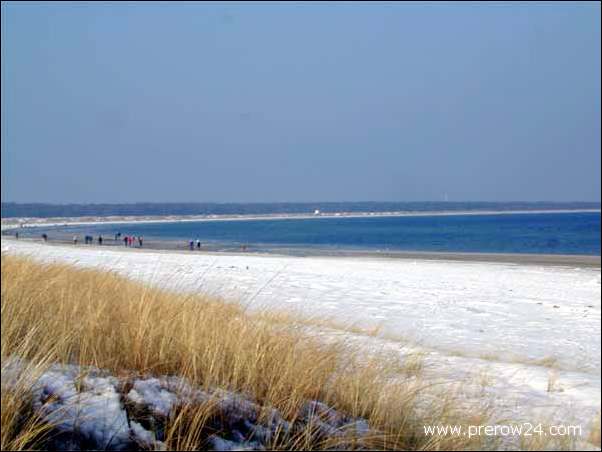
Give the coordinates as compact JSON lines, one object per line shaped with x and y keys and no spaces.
{"x":43,"y":210}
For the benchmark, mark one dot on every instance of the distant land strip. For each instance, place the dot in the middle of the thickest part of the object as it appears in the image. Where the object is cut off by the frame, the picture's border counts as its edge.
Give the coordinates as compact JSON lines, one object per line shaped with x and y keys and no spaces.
{"x":44,"y":210}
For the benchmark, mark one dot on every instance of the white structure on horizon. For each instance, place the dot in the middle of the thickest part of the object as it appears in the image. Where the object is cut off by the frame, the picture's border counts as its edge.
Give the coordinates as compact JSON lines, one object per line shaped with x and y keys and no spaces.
{"x":317,"y":212}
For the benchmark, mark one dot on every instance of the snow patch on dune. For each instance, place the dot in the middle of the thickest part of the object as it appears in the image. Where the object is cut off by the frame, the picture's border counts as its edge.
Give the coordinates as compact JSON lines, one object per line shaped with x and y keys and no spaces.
{"x":91,"y":409}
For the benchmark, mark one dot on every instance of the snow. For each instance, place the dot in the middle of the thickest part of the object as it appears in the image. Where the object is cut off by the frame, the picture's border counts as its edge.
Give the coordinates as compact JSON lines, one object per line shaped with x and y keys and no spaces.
{"x":150,"y":391}
{"x":472,"y":319}
{"x":87,"y":408}
{"x":78,"y":401}
{"x":145,"y":438}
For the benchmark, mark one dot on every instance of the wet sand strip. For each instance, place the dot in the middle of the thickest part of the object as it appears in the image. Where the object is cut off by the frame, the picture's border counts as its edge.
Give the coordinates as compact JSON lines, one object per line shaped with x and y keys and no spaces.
{"x":150,"y":244}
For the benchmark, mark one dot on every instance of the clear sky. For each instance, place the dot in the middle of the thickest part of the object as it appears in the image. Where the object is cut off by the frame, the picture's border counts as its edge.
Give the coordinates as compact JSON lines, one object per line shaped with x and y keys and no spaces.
{"x":300,"y":102}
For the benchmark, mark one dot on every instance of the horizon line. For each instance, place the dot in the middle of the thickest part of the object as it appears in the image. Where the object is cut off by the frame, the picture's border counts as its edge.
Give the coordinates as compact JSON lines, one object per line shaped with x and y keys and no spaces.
{"x":69,"y":203}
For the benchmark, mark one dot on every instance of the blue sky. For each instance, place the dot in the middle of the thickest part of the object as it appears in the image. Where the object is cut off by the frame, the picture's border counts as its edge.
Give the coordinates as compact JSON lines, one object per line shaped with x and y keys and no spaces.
{"x":300,"y":102}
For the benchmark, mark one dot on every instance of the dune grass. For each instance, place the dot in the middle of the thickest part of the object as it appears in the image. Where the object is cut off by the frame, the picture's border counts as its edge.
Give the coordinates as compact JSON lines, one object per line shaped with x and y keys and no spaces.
{"x":58,"y":314}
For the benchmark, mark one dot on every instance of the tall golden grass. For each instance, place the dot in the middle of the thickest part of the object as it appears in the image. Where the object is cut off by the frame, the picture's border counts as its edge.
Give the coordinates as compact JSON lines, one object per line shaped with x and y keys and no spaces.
{"x":58,"y":314}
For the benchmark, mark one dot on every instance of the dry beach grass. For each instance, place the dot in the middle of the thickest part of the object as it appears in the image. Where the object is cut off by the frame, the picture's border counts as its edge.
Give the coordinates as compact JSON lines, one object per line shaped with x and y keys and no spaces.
{"x":58,"y":314}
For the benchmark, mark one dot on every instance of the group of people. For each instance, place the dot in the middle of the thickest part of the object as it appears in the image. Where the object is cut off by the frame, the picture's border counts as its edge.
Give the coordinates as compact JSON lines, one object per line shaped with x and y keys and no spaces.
{"x":130,"y":241}
{"x":191,"y":244}
{"x":88,"y":240}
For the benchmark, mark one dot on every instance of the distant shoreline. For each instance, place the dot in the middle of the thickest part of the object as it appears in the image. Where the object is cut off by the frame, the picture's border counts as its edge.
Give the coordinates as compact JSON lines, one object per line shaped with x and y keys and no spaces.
{"x":16,"y":223}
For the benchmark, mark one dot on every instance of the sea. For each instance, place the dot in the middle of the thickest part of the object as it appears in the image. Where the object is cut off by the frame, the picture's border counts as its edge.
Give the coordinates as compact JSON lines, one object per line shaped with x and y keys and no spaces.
{"x":530,"y":232}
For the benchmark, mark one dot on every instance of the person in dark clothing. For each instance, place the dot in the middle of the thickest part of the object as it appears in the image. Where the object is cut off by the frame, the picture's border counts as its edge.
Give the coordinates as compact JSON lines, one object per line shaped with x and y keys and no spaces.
{"x":125,"y":241}
{"x":17,"y":235}
{"x":100,"y":239}
{"x":140,"y":242}
{"x":45,"y":237}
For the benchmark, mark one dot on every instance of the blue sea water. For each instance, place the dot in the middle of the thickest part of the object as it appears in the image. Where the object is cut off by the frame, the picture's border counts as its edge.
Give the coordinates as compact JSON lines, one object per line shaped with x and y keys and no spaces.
{"x":538,"y":233}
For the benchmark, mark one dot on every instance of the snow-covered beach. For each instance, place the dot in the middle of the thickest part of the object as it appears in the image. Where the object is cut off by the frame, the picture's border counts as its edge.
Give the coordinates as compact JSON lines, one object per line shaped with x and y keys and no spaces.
{"x":529,"y":334}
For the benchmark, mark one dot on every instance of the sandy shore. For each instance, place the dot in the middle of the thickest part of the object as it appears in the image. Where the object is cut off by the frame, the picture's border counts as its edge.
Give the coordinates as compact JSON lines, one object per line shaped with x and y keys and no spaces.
{"x":513,"y":328}
{"x":511,"y":258}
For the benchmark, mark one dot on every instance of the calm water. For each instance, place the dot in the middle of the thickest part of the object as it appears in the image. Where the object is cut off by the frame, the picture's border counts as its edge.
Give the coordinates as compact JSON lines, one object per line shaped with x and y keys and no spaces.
{"x":556,"y":233}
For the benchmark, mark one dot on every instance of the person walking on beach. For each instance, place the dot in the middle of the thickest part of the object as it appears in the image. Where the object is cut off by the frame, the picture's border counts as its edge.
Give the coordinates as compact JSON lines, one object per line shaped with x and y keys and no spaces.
{"x":198,"y":244}
{"x":117,"y":236}
{"x":45,"y":237}
{"x":100,"y":239}
{"x":125,"y":240}
{"x":140,"y":241}
{"x":191,"y":245}
{"x":17,"y":235}
{"x":75,"y":240}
